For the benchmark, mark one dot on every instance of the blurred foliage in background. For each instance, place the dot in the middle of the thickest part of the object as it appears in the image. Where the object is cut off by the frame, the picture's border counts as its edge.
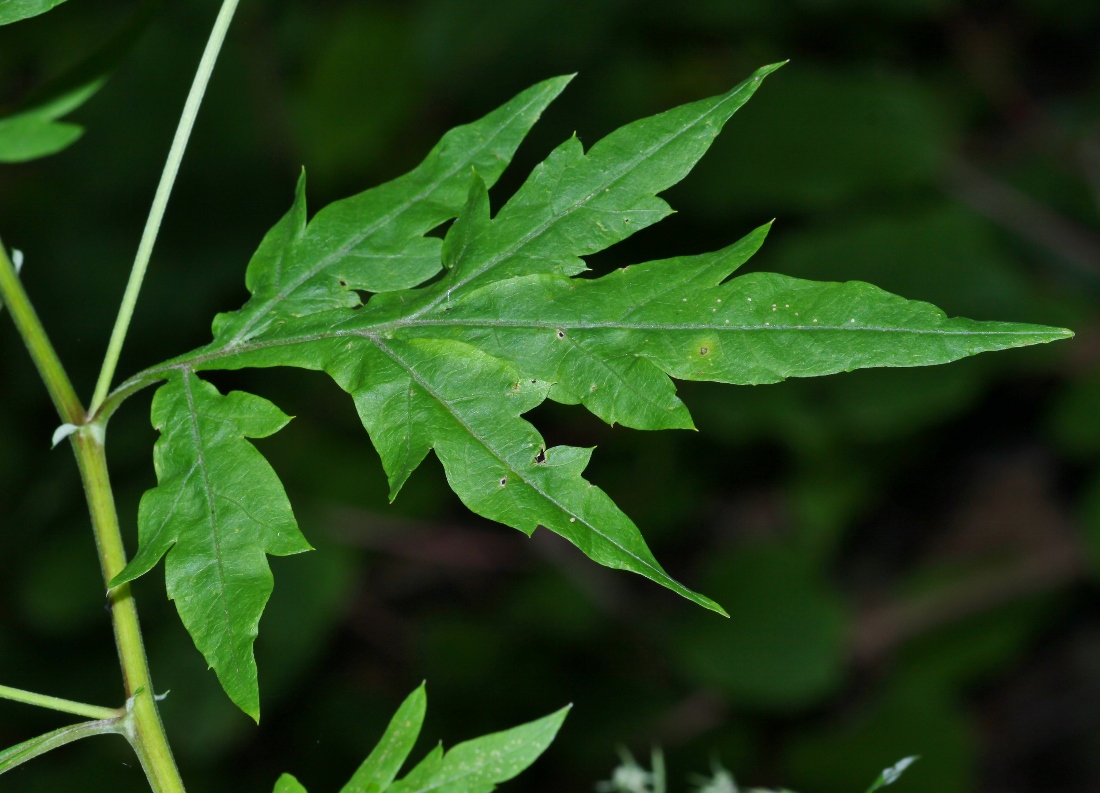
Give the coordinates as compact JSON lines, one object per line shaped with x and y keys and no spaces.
{"x":908,"y":556}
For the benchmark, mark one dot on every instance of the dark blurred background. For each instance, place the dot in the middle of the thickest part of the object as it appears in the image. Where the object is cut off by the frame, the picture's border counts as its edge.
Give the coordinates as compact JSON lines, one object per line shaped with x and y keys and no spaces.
{"x":908,"y":556}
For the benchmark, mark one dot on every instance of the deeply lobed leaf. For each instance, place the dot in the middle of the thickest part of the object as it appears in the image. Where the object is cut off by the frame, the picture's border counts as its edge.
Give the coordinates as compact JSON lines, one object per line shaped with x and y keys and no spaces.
{"x":611,"y":343}
{"x":575,"y":204}
{"x":375,"y":241}
{"x":454,"y":365}
{"x":217,"y":510}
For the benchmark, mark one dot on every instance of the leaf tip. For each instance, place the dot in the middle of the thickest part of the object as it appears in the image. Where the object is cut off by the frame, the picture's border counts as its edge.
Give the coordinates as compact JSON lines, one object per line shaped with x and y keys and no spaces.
{"x":764,"y":71}
{"x":710,"y":605}
{"x":553,"y":86}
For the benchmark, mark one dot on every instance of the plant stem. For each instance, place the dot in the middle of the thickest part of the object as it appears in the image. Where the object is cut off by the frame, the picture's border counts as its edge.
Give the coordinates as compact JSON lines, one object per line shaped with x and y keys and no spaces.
{"x":148,"y":738}
{"x":144,"y":730}
{"x":160,"y":201}
{"x":28,"y":750}
{"x":38,"y":343}
{"x":144,"y":727}
{"x":63,"y":705}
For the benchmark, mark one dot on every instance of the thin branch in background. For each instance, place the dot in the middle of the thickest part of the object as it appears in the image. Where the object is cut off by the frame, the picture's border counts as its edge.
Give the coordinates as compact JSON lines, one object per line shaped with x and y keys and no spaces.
{"x":1022,"y":215}
{"x":1088,"y":153}
{"x":881,"y":630}
{"x":429,"y":543}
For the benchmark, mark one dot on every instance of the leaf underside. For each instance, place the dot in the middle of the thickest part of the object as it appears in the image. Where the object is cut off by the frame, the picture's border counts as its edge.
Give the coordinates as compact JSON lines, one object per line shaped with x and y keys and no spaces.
{"x":475,"y":766}
{"x":15,"y":756}
{"x":454,"y":365}
{"x":218,"y":510}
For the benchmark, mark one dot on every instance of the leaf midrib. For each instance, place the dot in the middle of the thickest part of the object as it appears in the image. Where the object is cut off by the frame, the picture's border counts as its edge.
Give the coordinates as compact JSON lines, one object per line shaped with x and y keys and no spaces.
{"x":400,"y":209}
{"x":205,"y":356}
{"x":456,"y":777}
{"x":474,"y":434}
{"x":553,"y":219}
{"x":209,"y":493}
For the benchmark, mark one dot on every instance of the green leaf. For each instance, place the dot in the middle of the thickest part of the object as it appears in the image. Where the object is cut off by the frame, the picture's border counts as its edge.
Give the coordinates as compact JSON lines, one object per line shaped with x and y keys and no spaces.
{"x":375,"y":241}
{"x":288,"y":784}
{"x":29,"y":136}
{"x":606,"y":341}
{"x":422,"y":774}
{"x":454,"y":365}
{"x":33,"y":130}
{"x":475,"y":766}
{"x":478,"y":766}
{"x":28,"y":750}
{"x":217,"y":510}
{"x":575,"y":204}
{"x":422,"y":393}
{"x":381,"y":767}
{"x":15,"y":10}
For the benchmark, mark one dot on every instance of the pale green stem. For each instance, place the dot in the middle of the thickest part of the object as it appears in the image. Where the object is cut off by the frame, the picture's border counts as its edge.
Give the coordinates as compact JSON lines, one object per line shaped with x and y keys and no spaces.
{"x":63,"y":705}
{"x":148,"y":738}
{"x":38,"y":343}
{"x":145,"y":731}
{"x":28,"y":750}
{"x":160,"y":201}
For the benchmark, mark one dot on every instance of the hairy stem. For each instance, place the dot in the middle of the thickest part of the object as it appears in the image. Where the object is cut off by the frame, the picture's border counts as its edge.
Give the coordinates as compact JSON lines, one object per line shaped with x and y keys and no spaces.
{"x":148,"y":738}
{"x":160,"y":201}
{"x":56,"y":703}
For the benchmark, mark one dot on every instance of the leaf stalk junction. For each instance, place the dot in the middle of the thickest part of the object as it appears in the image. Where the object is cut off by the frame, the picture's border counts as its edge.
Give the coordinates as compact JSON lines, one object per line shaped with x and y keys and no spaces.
{"x":139,"y":721}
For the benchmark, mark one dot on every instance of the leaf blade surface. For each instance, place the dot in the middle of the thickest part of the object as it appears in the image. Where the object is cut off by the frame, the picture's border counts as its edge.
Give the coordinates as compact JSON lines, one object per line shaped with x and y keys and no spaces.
{"x":375,"y":241}
{"x":16,"y":10}
{"x":574,"y":204}
{"x":288,"y":784}
{"x":217,"y":511}
{"x":384,"y":762}
{"x":478,"y":766}
{"x":455,"y":365}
